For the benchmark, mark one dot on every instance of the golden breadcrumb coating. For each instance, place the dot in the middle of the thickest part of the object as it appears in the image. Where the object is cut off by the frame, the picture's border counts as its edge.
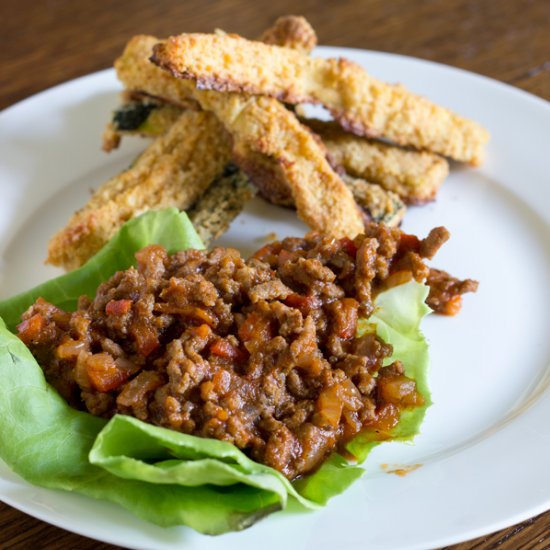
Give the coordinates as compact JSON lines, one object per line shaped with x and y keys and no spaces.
{"x":291,"y":31}
{"x":415,"y":176}
{"x":174,"y":170}
{"x":359,"y":102}
{"x":265,"y":126}
{"x":137,"y":74}
{"x":380,"y":205}
{"x":262,"y":125}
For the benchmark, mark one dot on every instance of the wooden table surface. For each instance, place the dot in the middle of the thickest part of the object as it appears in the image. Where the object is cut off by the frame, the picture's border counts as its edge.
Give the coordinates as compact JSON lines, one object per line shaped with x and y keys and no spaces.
{"x":45,"y":43}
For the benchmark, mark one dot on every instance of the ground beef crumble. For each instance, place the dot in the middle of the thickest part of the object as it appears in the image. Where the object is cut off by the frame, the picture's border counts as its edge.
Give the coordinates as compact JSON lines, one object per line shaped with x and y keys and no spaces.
{"x":261,"y":353}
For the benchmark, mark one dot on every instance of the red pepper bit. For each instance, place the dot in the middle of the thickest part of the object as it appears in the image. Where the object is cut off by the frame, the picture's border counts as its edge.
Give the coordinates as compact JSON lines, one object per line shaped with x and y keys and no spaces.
{"x":222,"y":348}
{"x":118,"y":307}
{"x":349,"y":246}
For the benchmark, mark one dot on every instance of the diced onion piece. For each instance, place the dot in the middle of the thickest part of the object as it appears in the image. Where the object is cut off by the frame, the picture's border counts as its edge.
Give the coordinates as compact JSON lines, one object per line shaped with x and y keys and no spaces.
{"x":146,"y":337}
{"x":398,"y":278}
{"x":408,"y":242}
{"x":70,"y":349}
{"x":399,"y":390}
{"x":387,"y":418}
{"x":350,"y":395}
{"x":329,"y":408}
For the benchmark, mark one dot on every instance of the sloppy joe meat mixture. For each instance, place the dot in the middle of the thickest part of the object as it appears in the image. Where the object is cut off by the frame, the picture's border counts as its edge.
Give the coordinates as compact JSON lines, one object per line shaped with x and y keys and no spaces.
{"x":261,"y":353}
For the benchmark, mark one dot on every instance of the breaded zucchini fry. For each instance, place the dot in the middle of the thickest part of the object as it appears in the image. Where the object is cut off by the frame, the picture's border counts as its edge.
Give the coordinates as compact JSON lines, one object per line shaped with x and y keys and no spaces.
{"x":140,"y":115}
{"x":137,"y":75}
{"x":223,"y":201}
{"x":359,"y":102}
{"x":261,"y":125}
{"x":290,"y":31}
{"x":380,"y":205}
{"x":174,"y":170}
{"x":415,"y":176}
{"x":264,"y":126}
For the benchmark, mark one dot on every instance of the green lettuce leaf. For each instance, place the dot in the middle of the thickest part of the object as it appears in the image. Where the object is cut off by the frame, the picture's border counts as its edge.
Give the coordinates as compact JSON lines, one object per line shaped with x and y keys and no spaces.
{"x":168,"y":227}
{"x":398,"y":316}
{"x":47,"y":443}
{"x":162,"y":476}
{"x":131,"y":449}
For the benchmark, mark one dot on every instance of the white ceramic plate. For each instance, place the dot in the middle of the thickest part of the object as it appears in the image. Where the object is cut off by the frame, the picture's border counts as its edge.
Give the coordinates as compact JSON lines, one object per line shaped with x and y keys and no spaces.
{"x":485,"y":444}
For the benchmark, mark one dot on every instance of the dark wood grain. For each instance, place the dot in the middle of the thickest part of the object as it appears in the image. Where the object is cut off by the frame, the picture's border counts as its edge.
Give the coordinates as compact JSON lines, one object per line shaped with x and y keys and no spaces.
{"x":45,"y":43}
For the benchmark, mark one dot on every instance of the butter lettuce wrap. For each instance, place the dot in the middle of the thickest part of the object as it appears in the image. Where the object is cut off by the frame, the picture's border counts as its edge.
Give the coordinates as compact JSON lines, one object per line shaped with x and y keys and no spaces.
{"x":162,"y":476}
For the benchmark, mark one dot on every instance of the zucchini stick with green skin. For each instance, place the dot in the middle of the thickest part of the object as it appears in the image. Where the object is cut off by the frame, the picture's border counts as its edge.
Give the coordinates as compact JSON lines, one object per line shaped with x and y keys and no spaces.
{"x":380,"y":205}
{"x":223,"y":201}
{"x":415,"y":176}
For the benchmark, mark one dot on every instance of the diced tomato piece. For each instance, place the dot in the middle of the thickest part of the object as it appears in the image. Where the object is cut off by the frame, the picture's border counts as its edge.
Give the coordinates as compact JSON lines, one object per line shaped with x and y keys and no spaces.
{"x":103,"y":373}
{"x":286,"y":256}
{"x":303,"y":303}
{"x":296,"y":300}
{"x":255,"y":327}
{"x":202,"y":331}
{"x":223,"y":348}
{"x":118,"y":307}
{"x":349,"y":246}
